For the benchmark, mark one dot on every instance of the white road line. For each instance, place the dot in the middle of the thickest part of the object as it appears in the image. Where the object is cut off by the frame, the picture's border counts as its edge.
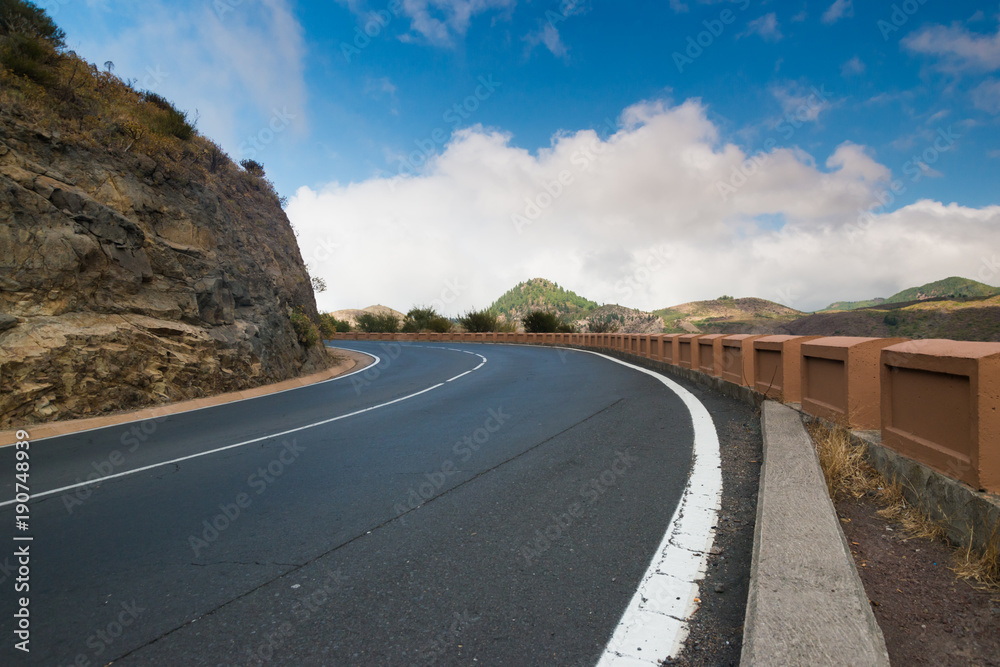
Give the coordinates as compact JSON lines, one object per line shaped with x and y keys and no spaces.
{"x":222,"y":449}
{"x":245,"y":442}
{"x":377,"y":361}
{"x":654,"y":626}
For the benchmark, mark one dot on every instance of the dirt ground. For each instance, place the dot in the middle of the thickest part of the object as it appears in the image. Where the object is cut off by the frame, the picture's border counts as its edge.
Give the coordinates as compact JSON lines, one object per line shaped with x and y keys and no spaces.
{"x":928,"y":616}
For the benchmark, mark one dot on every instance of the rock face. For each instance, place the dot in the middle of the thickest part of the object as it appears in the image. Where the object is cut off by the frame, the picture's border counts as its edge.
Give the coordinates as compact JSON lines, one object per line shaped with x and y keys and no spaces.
{"x":126,"y":282}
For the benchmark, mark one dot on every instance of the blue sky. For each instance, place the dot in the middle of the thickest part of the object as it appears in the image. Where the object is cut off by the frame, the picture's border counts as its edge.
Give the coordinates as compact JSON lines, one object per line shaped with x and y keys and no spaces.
{"x":416,"y":128}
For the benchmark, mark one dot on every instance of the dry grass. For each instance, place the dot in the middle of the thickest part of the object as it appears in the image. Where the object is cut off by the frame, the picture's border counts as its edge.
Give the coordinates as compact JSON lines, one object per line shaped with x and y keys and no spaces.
{"x":848,"y":474}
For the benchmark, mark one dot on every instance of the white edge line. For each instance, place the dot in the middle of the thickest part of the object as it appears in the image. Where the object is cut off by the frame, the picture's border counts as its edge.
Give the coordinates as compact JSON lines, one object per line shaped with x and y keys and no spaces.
{"x":222,"y":449}
{"x":463,"y":374}
{"x":654,"y":626}
{"x":246,"y":442}
{"x":377,"y":361}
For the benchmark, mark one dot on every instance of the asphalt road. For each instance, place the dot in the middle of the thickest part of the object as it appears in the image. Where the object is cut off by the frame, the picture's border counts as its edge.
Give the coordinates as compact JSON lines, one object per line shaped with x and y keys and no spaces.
{"x":505,"y":515}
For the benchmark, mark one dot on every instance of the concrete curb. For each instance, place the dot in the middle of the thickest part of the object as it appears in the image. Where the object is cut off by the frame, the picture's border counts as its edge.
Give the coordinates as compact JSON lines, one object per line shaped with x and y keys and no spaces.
{"x":353,"y":361}
{"x":807,"y":605}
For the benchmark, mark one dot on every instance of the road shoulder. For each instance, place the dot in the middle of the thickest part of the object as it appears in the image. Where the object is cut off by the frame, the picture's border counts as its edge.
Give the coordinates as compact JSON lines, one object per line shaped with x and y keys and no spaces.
{"x":348,"y":361}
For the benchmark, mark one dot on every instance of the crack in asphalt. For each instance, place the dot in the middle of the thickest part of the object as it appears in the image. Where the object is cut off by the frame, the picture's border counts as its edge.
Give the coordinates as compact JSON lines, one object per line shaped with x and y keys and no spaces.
{"x":398,"y":517}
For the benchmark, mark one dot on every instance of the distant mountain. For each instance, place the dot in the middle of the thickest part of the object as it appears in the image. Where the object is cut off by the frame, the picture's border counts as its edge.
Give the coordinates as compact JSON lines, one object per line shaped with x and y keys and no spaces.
{"x":975,"y":319}
{"x":351,"y":315}
{"x":949,"y":288}
{"x":541,"y":294}
{"x":726,"y":315}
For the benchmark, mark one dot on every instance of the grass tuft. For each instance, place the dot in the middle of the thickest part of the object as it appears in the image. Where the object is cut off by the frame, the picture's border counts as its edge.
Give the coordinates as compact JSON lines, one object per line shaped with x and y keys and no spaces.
{"x":848,"y":474}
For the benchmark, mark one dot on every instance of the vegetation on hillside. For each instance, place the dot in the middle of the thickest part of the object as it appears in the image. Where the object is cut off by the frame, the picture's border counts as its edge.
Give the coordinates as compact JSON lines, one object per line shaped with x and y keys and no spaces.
{"x":971,"y":319}
{"x":541,"y":294}
{"x":329,"y":325}
{"x":615,"y":318}
{"x":425,"y":320}
{"x":725,"y":312}
{"x":57,"y":90}
{"x":540,"y":321}
{"x":377,"y":323}
{"x":950,"y":288}
{"x":480,"y":321}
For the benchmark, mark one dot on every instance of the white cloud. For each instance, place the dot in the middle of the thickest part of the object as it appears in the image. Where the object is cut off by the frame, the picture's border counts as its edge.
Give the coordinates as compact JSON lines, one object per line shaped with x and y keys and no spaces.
{"x":838,"y":10}
{"x":441,"y":21}
{"x":383,"y":89}
{"x":852,"y":67}
{"x":801,"y":103}
{"x":548,"y":35}
{"x":766,"y":26}
{"x":986,"y":96}
{"x":959,"y":48}
{"x":637,"y":218}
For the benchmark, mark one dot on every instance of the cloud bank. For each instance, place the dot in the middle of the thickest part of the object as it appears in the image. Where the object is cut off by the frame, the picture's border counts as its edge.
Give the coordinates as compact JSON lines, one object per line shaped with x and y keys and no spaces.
{"x":658,"y":213}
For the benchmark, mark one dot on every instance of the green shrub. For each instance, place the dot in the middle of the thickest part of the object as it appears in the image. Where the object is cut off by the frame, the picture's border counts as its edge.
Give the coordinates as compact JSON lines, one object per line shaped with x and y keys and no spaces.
{"x":539,"y":321}
{"x":304,"y":328}
{"x":378,"y":323}
{"x":425,"y":319}
{"x":253,"y":167}
{"x":329,"y":325}
{"x":891,"y":319}
{"x":606,"y":324}
{"x":479,"y":321}
{"x":24,"y":18}
{"x":171,"y":122}
{"x":29,"y":57}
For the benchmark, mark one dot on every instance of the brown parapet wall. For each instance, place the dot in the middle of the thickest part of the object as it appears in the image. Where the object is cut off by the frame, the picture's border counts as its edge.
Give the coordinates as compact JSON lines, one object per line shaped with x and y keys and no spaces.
{"x":777,"y":364}
{"x":840,"y":379}
{"x":941,"y":406}
{"x":737,"y":359}
{"x":710,"y":354}
{"x":687,"y":351}
{"x":671,"y":351}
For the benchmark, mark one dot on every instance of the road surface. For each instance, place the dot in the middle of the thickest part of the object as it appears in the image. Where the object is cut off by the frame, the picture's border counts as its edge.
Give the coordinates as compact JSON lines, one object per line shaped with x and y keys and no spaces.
{"x":453,"y":504}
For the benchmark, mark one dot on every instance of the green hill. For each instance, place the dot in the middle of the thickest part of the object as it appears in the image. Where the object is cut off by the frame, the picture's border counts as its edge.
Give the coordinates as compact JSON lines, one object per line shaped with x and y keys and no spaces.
{"x":853,"y":305}
{"x":725,"y":315}
{"x":541,"y":294}
{"x":950,"y":288}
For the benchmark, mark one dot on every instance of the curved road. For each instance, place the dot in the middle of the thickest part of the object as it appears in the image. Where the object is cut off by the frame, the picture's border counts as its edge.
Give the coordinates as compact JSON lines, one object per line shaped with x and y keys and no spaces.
{"x":431,"y":509}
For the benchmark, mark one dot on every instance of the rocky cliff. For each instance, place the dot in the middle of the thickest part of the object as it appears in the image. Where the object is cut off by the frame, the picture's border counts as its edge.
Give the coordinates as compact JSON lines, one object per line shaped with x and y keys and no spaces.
{"x":135,"y":272}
